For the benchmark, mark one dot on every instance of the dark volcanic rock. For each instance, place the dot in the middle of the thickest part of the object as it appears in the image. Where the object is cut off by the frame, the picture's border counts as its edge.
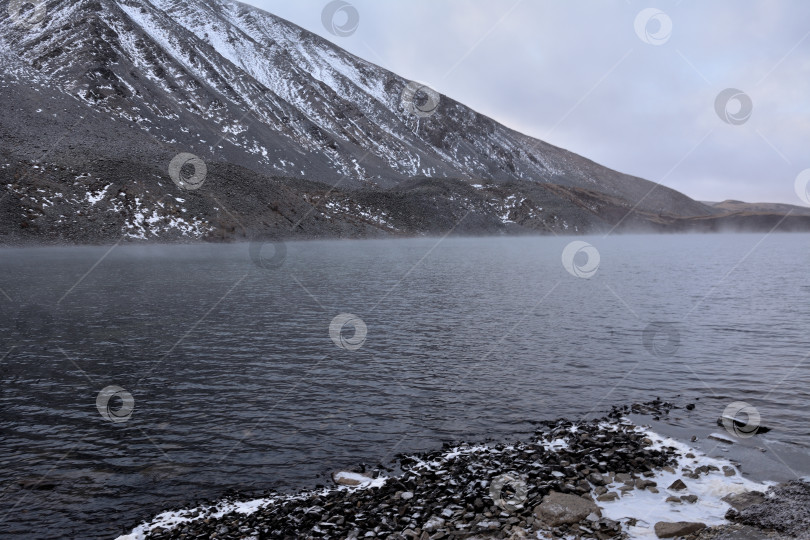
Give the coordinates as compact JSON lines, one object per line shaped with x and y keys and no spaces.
{"x":786,"y":509}
{"x":561,"y":508}
{"x":461,"y":491}
{"x":677,"y":485}
{"x":526,"y":489}
{"x":664,"y":529}
{"x":744,"y":500}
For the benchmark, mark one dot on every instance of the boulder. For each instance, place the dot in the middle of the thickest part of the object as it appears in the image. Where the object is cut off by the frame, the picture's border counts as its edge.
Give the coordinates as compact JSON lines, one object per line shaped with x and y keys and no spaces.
{"x":720,"y":438}
{"x":740,"y":501}
{"x":665,"y":529}
{"x":623,"y":478}
{"x":642,"y":483}
{"x":677,"y":485}
{"x":433,"y":524}
{"x":607,"y":497}
{"x":346,"y":478}
{"x":561,"y":508}
{"x":597,"y":479}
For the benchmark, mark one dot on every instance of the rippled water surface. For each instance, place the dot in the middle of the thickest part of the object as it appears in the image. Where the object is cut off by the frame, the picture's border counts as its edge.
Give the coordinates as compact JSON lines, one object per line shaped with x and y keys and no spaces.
{"x":237,"y":384}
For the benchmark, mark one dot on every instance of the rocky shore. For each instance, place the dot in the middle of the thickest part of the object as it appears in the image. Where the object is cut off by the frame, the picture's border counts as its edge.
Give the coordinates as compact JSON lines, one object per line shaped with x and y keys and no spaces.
{"x":604,"y":478}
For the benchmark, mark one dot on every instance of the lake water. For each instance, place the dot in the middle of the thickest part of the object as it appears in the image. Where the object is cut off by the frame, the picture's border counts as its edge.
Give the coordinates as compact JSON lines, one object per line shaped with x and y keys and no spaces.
{"x":235,"y":381}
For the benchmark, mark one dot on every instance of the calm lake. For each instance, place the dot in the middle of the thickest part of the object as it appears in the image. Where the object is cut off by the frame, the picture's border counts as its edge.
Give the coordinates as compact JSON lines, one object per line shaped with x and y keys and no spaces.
{"x":235,"y":381}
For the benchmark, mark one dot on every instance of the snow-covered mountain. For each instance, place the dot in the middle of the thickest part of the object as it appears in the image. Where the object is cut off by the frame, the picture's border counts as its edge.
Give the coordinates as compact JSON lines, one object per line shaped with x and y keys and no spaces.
{"x":297,"y":136}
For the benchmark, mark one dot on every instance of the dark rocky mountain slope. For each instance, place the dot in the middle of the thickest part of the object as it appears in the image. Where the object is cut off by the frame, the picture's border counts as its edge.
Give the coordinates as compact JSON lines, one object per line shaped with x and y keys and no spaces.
{"x":297,"y":138}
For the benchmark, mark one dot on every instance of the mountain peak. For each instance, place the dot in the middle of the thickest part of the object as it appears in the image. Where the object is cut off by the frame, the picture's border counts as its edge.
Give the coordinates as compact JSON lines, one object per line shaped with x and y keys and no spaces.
{"x":238,"y":87}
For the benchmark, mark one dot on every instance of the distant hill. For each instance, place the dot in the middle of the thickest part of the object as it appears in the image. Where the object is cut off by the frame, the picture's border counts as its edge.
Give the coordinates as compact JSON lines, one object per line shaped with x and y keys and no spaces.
{"x":760,"y":208}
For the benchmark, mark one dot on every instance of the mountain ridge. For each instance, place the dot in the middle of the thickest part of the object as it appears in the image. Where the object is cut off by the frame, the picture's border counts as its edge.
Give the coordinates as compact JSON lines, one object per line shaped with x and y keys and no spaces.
{"x":267,"y":106}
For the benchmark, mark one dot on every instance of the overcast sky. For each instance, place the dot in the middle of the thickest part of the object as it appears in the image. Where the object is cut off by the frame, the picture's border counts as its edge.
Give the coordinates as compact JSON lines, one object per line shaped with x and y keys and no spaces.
{"x":579,"y":75}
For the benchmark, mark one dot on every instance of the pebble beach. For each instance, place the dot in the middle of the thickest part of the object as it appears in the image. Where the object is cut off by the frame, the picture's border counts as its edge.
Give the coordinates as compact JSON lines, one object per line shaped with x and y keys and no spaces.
{"x":602,"y":478}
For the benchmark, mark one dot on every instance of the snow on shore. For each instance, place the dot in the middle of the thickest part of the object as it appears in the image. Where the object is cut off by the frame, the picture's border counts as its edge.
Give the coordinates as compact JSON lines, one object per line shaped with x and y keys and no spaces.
{"x":637,"y":508}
